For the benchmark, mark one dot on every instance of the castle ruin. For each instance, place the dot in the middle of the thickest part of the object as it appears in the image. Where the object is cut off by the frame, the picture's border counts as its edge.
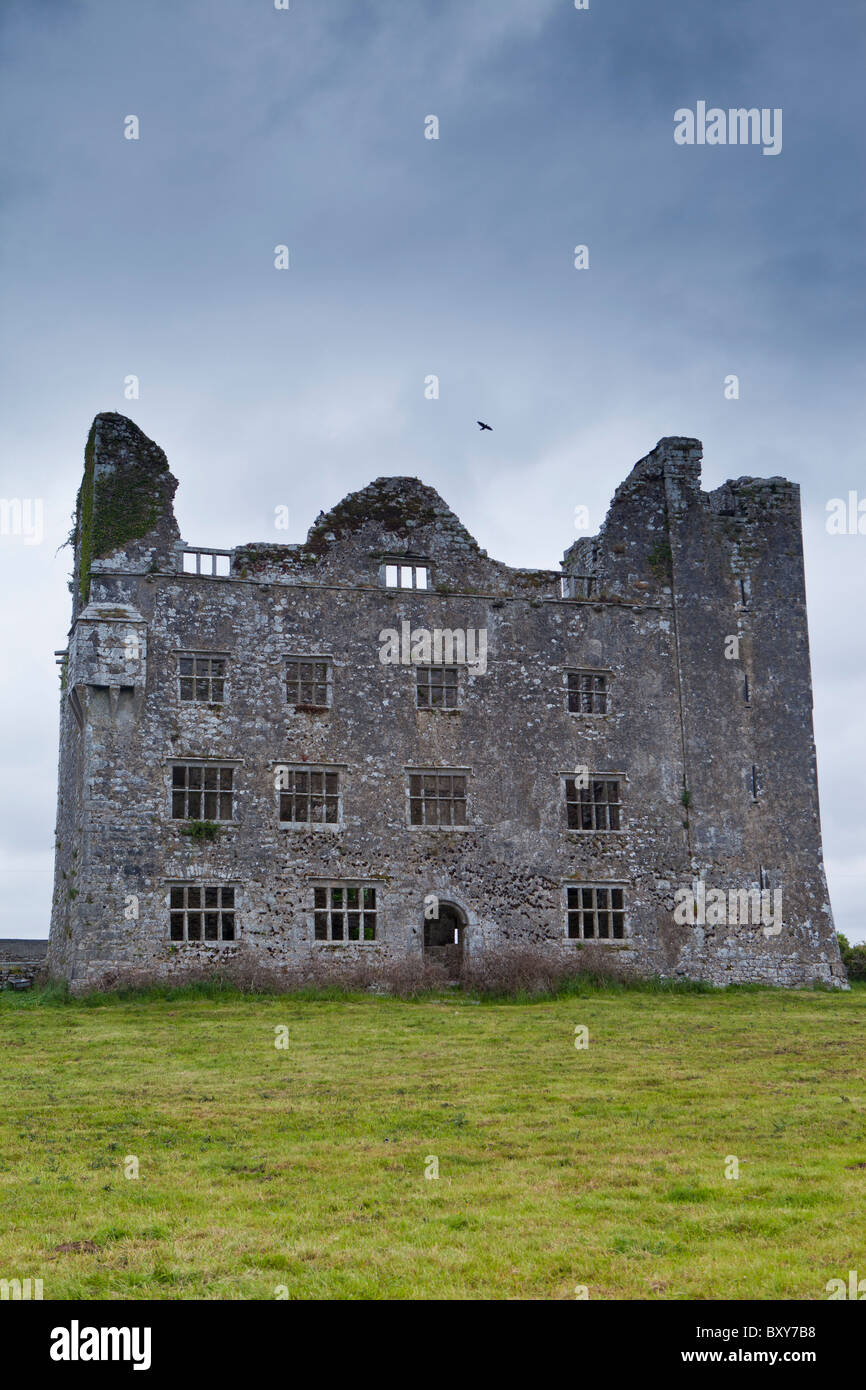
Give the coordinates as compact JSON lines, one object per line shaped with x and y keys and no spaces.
{"x":381,"y":741}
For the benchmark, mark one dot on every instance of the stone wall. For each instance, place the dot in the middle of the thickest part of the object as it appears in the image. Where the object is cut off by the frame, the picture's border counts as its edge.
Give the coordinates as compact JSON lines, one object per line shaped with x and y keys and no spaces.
{"x":21,"y":958}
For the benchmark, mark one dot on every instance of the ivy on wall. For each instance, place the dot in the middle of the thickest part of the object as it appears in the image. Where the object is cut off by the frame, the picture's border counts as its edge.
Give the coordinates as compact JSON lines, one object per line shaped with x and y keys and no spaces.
{"x":119,"y":506}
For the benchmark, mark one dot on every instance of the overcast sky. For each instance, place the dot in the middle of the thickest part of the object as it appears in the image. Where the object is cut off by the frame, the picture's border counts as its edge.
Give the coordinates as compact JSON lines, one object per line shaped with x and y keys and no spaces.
{"x":409,"y":257}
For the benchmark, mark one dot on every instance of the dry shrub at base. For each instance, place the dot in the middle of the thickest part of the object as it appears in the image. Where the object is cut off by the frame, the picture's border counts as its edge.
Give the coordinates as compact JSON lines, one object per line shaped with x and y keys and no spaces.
{"x":246,"y":971}
{"x":518,"y":970}
{"x":404,"y":977}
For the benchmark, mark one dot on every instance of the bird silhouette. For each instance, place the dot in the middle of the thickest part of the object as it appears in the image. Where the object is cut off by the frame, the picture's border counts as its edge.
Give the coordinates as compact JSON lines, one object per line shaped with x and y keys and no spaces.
{"x":481,"y":425}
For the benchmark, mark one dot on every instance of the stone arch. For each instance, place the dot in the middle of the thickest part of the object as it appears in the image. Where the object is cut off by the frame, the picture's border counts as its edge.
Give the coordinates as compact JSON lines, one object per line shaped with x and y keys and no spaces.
{"x":444,"y":934}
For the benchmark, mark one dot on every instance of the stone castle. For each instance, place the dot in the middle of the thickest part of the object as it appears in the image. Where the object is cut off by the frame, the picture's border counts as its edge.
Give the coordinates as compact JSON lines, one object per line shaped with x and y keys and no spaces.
{"x":381,"y":741}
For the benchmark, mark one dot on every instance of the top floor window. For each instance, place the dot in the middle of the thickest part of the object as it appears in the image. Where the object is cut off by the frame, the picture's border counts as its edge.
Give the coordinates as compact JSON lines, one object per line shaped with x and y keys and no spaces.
{"x":579,"y":586}
{"x":406,"y":575}
{"x":213,"y":563}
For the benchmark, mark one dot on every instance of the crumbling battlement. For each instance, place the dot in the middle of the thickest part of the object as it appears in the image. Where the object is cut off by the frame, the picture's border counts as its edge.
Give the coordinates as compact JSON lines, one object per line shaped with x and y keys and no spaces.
{"x":124,"y":512}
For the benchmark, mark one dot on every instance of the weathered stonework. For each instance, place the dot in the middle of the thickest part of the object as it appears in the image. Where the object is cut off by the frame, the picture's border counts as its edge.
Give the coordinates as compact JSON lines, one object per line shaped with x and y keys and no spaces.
{"x":714,"y":756}
{"x":21,"y":959}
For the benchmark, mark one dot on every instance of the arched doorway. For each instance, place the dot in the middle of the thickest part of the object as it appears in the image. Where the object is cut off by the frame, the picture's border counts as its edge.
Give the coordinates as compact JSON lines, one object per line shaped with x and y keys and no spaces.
{"x":443,"y":936}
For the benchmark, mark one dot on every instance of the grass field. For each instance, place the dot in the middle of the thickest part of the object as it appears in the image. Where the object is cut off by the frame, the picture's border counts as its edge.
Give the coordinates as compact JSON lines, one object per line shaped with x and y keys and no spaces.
{"x":304,"y":1167}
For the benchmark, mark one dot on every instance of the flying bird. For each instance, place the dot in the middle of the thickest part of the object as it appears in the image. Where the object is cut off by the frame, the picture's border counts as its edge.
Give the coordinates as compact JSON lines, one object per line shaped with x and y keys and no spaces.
{"x":481,"y":425}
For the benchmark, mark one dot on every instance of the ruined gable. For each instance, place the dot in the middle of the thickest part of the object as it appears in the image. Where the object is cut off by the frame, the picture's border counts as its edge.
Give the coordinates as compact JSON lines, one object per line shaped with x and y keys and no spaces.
{"x":391,"y":519}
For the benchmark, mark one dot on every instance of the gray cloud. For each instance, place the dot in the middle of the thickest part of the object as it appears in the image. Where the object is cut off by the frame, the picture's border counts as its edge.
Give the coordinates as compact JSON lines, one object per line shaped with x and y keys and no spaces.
{"x":412,"y":257}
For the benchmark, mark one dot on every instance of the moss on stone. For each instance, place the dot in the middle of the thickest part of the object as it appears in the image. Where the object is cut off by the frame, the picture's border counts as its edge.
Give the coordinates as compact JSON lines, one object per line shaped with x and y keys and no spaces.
{"x":84,"y":517}
{"x":660,"y":561}
{"x":201,"y":829}
{"x":119,"y":506}
{"x":250,"y":559}
{"x":400,"y":513}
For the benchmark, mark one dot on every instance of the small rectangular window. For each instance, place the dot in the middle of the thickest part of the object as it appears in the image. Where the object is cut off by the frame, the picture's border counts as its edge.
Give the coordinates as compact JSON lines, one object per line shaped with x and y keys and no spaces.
{"x":437,"y":798}
{"x":588,"y":692}
{"x":579,"y":586}
{"x":437,"y":687}
{"x":309,"y":682}
{"x":202,"y":912}
{"x":309,"y":795}
{"x":595,"y":912}
{"x":202,"y":792}
{"x":344,"y":912}
{"x":201,"y":679}
{"x":596,"y":806}
{"x":405,"y":575}
{"x":208,"y":563}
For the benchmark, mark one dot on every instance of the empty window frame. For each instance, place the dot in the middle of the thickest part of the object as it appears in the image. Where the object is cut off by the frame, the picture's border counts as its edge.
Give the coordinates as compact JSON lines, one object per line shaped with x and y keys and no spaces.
{"x":594,"y":912}
{"x":202,"y":912}
{"x":344,"y":912}
{"x":202,"y":791}
{"x":402,"y":574}
{"x":213,"y":563}
{"x":309,"y":796}
{"x":588,"y":691}
{"x":437,"y":798}
{"x":596,"y":806}
{"x":308,"y":682}
{"x":579,"y":586}
{"x":437,"y":687}
{"x":201,"y":678}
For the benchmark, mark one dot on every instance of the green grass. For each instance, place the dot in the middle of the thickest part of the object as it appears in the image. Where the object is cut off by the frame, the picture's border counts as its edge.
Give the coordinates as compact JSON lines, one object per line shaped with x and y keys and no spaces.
{"x":304,"y":1167}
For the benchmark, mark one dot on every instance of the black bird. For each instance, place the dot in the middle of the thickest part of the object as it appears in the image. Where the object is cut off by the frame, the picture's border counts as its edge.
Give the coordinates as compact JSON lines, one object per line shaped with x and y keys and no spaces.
{"x":481,"y":425}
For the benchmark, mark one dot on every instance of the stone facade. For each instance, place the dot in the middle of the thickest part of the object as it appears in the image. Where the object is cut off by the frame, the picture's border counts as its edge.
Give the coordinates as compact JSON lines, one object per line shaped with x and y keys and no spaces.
{"x":613,"y":749}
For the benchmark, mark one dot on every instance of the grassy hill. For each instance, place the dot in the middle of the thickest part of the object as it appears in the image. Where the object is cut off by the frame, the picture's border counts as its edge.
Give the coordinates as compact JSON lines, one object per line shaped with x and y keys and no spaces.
{"x":263,"y":1170}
